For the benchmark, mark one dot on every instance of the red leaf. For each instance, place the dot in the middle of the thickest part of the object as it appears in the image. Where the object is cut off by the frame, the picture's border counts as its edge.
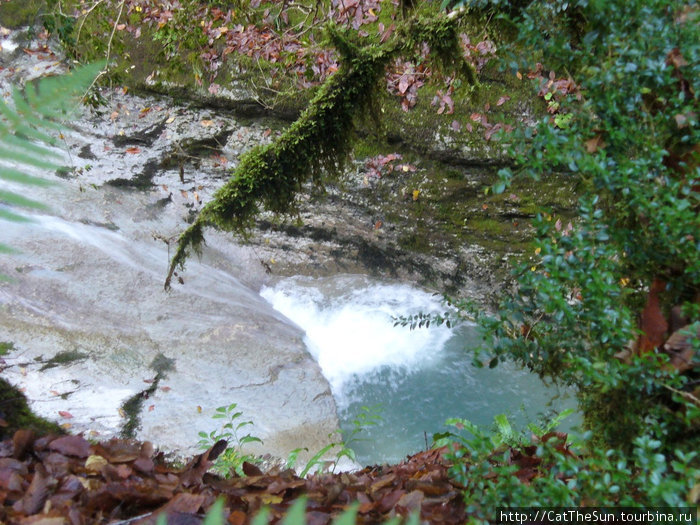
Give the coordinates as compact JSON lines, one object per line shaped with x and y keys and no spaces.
{"x":133,"y":150}
{"x":65,"y":414}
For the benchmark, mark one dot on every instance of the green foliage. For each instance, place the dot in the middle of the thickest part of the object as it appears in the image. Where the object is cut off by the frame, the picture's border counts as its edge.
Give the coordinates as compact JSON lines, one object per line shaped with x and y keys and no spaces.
{"x":232,"y":459}
{"x":15,"y":410}
{"x":57,"y":22}
{"x":627,"y":135}
{"x":490,"y":465}
{"x":320,"y":141}
{"x":5,"y":347}
{"x":368,"y":416}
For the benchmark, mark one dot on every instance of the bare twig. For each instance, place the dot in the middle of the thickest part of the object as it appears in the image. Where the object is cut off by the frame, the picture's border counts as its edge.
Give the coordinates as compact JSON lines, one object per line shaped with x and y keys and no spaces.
{"x":685,"y":395}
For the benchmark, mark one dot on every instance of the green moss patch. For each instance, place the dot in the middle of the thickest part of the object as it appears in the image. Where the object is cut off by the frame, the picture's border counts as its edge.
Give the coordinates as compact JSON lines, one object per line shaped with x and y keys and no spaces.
{"x":15,"y":414}
{"x":18,"y":14}
{"x":6,"y":347}
{"x":64,"y":358}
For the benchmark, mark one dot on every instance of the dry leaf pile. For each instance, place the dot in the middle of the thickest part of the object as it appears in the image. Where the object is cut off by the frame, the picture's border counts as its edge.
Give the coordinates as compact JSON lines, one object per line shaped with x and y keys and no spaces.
{"x":66,"y":480}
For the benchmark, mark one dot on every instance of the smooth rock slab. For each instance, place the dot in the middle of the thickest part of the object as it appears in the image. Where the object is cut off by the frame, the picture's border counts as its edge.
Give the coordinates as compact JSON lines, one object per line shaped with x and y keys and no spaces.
{"x":95,"y":294}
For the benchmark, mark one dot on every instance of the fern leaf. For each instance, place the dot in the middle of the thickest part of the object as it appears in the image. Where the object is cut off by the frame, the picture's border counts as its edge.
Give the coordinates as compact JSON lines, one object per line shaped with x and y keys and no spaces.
{"x":25,"y":139}
{"x":15,"y":175}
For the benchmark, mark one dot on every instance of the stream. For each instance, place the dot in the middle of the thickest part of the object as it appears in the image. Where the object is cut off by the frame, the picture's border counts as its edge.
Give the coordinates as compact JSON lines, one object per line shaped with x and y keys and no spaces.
{"x":412,"y":379}
{"x":98,"y":346}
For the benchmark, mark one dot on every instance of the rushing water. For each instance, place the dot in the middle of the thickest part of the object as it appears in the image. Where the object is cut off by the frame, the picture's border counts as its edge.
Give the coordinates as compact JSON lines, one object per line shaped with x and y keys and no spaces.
{"x":416,"y":378}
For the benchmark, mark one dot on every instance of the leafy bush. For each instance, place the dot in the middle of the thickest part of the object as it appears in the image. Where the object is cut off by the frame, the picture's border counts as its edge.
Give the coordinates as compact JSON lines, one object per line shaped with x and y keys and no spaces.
{"x":622,"y":97}
{"x":506,"y":469}
{"x":591,"y":306}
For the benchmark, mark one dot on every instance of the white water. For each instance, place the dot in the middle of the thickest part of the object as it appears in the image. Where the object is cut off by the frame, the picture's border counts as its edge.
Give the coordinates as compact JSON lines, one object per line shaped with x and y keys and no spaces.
{"x":350,"y":328}
{"x":417,"y":378}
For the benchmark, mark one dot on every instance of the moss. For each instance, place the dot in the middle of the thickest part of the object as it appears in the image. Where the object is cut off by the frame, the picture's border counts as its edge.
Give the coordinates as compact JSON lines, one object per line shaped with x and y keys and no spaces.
{"x":133,"y":406}
{"x":20,"y":14}
{"x":415,"y":242}
{"x":64,"y":358}
{"x":6,"y":347}
{"x":319,"y":141}
{"x":489,"y":226}
{"x":14,"y":410}
{"x":162,"y":364}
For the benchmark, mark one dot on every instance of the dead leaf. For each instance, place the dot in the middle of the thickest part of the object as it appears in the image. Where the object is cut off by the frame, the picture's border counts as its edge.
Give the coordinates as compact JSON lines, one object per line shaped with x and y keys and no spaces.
{"x":502,"y":100}
{"x":35,"y":496}
{"x":94,"y":464}
{"x":71,"y":446}
{"x":206,"y":123}
{"x":22,"y":440}
{"x":653,"y":323}
{"x":65,"y":414}
{"x":680,"y":349}
{"x":594,"y":144}
{"x":133,"y":150}
{"x":676,"y":59}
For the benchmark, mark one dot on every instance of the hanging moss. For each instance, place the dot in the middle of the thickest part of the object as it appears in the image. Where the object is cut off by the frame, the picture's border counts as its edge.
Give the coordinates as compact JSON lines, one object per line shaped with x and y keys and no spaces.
{"x":321,"y":139}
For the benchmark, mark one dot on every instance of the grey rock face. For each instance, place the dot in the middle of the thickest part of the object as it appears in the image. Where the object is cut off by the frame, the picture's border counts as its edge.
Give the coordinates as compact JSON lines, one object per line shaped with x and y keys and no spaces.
{"x":85,"y":308}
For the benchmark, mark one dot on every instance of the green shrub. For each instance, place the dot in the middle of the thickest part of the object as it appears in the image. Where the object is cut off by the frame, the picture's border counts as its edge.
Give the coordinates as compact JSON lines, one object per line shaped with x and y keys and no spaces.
{"x":549,"y":470}
{"x":620,"y":79}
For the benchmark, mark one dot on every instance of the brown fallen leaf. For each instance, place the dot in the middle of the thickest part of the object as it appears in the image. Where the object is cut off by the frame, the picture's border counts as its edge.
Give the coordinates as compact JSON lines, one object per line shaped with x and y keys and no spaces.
{"x":22,"y":441}
{"x":653,"y":323}
{"x":680,"y":349}
{"x":71,"y":446}
{"x":594,"y":144}
{"x":65,"y":414}
{"x":35,"y":496}
{"x":502,"y":100}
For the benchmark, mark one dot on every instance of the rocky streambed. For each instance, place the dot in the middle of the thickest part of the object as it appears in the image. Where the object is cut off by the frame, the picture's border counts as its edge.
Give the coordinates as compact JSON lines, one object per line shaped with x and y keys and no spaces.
{"x":97,"y":344}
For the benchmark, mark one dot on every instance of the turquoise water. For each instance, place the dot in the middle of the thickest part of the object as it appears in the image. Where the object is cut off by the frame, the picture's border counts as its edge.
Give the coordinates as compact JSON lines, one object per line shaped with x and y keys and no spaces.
{"x":414,"y":380}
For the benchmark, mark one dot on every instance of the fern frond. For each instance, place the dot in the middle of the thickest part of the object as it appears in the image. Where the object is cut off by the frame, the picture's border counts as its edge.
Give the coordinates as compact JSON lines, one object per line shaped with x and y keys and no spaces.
{"x":25,"y":139}
{"x":25,"y":126}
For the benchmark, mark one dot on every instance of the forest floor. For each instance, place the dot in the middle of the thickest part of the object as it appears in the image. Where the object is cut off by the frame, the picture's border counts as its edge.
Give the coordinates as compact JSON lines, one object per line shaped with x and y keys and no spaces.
{"x":52,"y":480}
